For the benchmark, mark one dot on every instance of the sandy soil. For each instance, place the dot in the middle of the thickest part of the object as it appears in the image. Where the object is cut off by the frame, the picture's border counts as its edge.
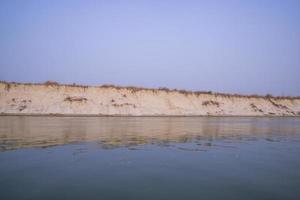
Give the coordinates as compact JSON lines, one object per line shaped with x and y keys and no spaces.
{"x":55,"y":99}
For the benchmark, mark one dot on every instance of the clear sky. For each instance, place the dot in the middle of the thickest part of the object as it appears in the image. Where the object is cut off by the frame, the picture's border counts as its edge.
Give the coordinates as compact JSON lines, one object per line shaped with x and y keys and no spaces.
{"x":223,"y":46}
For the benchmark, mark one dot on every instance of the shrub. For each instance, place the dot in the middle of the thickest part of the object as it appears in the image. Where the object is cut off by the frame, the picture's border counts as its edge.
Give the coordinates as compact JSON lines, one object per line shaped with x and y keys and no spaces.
{"x":269,"y":96}
{"x":213,"y":103}
{"x":51,"y":83}
{"x":76,"y":99}
{"x":277,"y":105}
{"x":255,"y":108}
{"x":164,"y":89}
{"x":7,"y":86}
{"x":22,"y":107}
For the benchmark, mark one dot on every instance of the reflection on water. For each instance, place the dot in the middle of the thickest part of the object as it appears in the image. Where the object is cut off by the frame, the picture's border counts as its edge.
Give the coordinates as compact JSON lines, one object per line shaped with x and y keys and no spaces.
{"x":111,"y":132}
{"x":149,"y":158}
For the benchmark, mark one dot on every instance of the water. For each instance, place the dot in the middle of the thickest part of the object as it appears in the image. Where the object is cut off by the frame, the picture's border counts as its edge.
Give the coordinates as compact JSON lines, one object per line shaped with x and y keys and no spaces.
{"x":149,"y":158}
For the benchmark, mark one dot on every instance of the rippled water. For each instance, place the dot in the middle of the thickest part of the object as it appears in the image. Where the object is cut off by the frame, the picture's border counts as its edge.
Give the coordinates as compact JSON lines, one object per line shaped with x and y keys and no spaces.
{"x":149,"y":158}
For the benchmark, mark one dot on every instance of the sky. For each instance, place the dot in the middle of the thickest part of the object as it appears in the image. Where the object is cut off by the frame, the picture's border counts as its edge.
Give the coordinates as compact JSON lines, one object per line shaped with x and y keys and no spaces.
{"x":248,"y":47}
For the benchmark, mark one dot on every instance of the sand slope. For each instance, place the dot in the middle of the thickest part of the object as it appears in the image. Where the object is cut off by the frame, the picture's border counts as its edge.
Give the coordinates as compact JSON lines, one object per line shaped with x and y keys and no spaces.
{"x":79,"y":100}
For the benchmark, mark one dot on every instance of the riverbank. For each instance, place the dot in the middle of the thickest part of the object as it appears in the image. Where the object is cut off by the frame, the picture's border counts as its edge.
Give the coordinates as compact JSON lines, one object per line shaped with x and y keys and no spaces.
{"x":56,"y":99}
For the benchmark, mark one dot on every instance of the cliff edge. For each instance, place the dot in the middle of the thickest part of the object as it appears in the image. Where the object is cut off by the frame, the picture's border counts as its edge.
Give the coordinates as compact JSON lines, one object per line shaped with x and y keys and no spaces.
{"x":52,"y":98}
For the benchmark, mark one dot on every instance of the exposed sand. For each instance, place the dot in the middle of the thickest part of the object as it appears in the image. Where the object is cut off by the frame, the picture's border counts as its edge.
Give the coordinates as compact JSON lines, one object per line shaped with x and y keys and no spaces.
{"x":55,"y":99}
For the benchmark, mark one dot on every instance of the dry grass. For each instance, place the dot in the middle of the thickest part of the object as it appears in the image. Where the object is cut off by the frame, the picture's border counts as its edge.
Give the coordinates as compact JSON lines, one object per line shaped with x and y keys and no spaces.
{"x":164,"y":89}
{"x":51,"y":83}
{"x":7,"y":87}
{"x":22,"y":107}
{"x":255,"y":108}
{"x":210,"y":103}
{"x":124,"y":104}
{"x":277,"y":105}
{"x":75,"y":99}
{"x":137,"y":89}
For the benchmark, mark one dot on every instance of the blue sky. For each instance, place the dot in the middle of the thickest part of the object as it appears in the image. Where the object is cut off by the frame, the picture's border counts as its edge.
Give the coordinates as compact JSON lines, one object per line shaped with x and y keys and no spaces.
{"x":223,"y":46}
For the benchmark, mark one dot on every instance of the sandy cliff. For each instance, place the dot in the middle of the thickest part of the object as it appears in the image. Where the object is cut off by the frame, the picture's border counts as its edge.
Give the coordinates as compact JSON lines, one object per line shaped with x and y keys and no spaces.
{"x":109,"y":100}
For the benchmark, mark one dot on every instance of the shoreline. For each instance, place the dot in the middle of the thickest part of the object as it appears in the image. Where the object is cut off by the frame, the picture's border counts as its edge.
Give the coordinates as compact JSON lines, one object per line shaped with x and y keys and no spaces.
{"x":132,"y":116}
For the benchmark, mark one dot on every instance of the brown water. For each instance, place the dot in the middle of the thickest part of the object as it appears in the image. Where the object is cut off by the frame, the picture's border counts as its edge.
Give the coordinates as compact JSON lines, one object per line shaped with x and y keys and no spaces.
{"x":149,"y":157}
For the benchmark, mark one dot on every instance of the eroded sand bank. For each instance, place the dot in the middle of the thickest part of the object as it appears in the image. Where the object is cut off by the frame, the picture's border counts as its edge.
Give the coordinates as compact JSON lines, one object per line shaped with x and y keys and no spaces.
{"x":56,"y":99}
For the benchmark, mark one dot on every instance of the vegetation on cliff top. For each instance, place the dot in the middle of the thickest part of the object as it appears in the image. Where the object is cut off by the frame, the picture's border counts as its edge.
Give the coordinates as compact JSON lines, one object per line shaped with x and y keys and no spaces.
{"x":137,"y":89}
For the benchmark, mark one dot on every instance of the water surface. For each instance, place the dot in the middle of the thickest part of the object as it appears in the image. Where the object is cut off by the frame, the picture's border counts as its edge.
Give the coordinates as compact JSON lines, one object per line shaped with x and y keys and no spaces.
{"x":149,"y":158}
